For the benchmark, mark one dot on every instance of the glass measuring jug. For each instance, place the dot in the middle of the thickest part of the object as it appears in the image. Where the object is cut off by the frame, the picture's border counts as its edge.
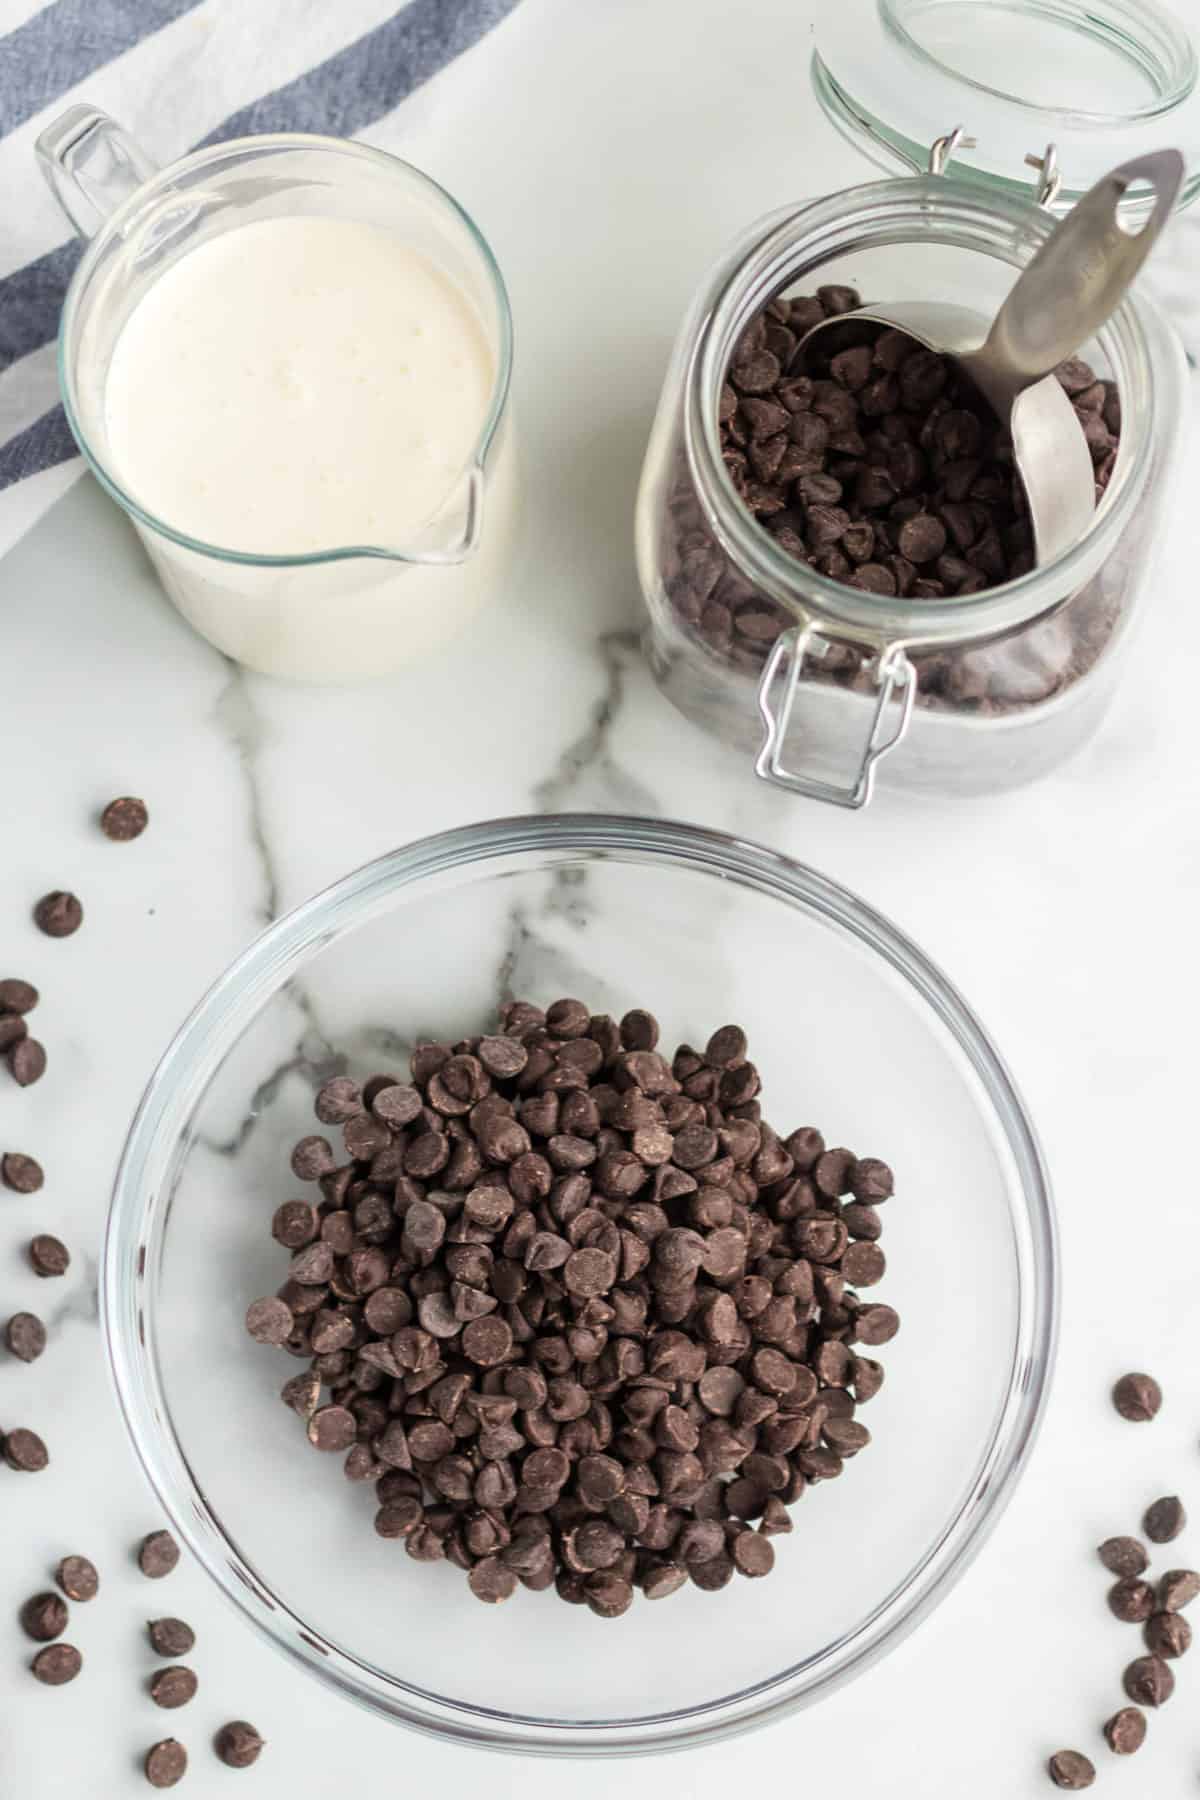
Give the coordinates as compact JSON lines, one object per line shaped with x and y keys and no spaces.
{"x":344,"y":610}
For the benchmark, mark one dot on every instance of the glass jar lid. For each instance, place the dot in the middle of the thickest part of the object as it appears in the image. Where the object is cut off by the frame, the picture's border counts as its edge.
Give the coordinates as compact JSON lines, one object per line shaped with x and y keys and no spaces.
{"x":1100,"y":80}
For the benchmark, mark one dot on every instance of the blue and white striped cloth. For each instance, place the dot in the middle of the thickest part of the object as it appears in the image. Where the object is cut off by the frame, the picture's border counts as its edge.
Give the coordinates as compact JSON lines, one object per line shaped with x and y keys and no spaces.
{"x":177,"y":74}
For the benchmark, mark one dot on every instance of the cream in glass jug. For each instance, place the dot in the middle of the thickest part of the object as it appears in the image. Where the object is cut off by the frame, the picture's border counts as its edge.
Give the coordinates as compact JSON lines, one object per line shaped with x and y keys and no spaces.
{"x":287,"y":358}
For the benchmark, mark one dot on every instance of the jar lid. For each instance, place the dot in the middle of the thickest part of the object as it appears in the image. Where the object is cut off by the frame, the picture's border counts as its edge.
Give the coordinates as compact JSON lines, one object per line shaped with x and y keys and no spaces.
{"x":1100,"y":80}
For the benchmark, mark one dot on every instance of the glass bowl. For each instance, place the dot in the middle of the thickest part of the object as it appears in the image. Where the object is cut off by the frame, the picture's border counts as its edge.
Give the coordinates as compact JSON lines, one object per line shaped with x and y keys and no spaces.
{"x":852,"y":1029}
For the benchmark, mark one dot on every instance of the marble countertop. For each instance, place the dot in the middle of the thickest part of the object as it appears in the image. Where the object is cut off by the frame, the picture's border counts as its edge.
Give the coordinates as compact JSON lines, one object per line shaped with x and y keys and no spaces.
{"x":1065,"y":912}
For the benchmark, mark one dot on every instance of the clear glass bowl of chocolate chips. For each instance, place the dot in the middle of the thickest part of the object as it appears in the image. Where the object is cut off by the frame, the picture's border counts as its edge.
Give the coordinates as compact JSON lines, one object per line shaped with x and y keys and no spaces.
{"x":836,"y":559}
{"x":545,"y":1260}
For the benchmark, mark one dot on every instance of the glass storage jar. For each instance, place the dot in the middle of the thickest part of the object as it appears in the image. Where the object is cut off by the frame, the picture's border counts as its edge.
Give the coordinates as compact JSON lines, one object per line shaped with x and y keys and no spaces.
{"x":820,"y":681}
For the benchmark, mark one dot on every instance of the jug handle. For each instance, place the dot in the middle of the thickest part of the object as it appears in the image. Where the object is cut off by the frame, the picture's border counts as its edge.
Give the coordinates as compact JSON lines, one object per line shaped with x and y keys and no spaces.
{"x":91,"y":165}
{"x":897,"y":683}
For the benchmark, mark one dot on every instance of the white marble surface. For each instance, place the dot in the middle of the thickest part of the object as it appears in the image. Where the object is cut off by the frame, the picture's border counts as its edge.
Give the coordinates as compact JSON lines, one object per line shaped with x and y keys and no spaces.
{"x":608,"y":158}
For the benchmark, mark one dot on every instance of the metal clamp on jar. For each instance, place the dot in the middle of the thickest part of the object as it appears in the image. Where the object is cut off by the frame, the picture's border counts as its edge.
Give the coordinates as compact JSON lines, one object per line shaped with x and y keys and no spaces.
{"x":819,"y":681}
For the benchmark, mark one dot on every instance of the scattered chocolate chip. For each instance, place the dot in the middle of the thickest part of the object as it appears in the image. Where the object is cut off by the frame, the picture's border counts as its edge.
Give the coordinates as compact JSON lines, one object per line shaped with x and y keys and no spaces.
{"x":1072,"y":1770}
{"x":26,"y":1061}
{"x":48,"y":1255}
{"x":77,"y":1577}
{"x":238,"y":1744}
{"x":124,"y":819}
{"x":1148,"y":1681}
{"x":25,"y":1336}
{"x":1124,"y":1556}
{"x":1164,"y":1520}
{"x":57,"y":1664}
{"x":13,"y":1030}
{"x":1169,"y":1634}
{"x":166,"y":1763}
{"x":58,"y":914}
{"x":1177,"y":1589}
{"x":44,"y":1617}
{"x":25,"y":1451}
{"x":1125,"y":1732}
{"x":170,"y":1637}
{"x":17,"y":996}
{"x":173,"y":1686}
{"x":1131,"y":1601}
{"x":21,"y":1173}
{"x":158,"y":1554}
{"x":1137,"y":1397}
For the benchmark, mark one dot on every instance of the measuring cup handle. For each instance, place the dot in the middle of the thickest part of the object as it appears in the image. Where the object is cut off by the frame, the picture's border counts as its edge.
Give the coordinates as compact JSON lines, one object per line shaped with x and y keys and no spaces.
{"x":91,"y":165}
{"x":897,"y":684}
{"x":1082,"y":273}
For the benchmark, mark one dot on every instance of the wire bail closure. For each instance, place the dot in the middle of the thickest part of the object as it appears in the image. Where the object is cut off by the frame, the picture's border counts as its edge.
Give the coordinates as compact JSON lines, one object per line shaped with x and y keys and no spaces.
{"x":1050,"y":178}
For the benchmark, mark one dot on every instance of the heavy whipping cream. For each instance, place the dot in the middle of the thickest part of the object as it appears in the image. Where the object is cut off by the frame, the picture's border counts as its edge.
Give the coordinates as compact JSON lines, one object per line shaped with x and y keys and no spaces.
{"x":298,"y":385}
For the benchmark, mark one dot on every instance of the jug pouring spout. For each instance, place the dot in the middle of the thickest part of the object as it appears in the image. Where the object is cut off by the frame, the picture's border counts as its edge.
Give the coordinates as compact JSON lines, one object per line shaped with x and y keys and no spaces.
{"x":455,"y":532}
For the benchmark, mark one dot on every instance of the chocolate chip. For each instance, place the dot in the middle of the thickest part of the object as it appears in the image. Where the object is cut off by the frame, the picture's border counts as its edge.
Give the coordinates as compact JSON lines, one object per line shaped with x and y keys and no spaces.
{"x":238,"y":1744}
{"x":166,"y":1763}
{"x":44,"y":1617}
{"x":1125,"y":1732}
{"x":295,"y":1224}
{"x":1137,"y":1397}
{"x":77,"y":1578}
{"x":1124,"y":1556}
{"x":124,"y":819}
{"x":312,"y":1158}
{"x":26,"y":1061}
{"x":1148,"y":1681}
{"x":608,"y":1595}
{"x":876,"y":1325}
{"x":13,"y":1030}
{"x":25,"y":1336}
{"x":270,"y":1321}
{"x":396,"y":1104}
{"x":171,"y":1637}
{"x":1169,"y":1634}
{"x":1131,"y":1600}
{"x":172,"y":1687}
{"x":158,"y":1554}
{"x":332,"y":1429}
{"x":863,"y":1264}
{"x":1070,"y":1769}
{"x":21,"y":1173}
{"x":57,"y":1664}
{"x":25,"y":1451}
{"x":752,"y":1554}
{"x":48,"y":1256}
{"x":491,"y":1580}
{"x":1164,"y":1520}
{"x":589,"y":1272}
{"x":58,"y":914}
{"x":17,"y":996}
{"x":1177,"y":1589}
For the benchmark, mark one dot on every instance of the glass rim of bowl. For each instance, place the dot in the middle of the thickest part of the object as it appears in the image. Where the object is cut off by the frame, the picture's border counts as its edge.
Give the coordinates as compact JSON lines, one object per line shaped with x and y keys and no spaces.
{"x":141,"y":1201}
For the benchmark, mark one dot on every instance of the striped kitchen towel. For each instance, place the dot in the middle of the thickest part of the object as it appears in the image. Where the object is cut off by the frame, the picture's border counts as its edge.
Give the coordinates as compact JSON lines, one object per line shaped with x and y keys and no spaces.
{"x":176,"y":74}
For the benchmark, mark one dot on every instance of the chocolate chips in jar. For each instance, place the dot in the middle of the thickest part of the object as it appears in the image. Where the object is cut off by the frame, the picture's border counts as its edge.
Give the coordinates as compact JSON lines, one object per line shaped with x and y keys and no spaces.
{"x":597,"y":1326}
{"x":876,"y":463}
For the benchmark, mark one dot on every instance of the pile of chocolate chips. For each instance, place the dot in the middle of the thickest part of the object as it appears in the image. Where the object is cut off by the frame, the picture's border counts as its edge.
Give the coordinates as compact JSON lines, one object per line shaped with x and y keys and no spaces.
{"x":882,"y":465}
{"x":877,"y":463}
{"x":586,"y":1320}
